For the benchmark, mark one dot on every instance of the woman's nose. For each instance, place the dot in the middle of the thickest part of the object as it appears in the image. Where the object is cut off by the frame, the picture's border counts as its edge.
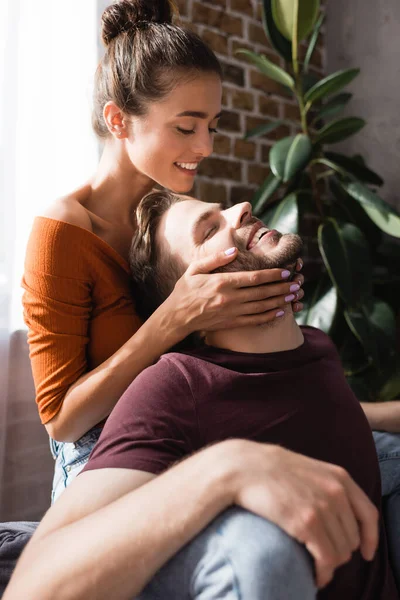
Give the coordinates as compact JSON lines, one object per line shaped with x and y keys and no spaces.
{"x":204,"y":145}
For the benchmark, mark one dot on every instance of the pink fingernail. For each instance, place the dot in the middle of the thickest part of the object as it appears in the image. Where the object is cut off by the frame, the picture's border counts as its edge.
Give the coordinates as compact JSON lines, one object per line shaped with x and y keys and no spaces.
{"x":280,"y":313}
{"x":230,"y":251}
{"x":295,"y":287}
{"x":290,"y":298}
{"x":285,"y":274}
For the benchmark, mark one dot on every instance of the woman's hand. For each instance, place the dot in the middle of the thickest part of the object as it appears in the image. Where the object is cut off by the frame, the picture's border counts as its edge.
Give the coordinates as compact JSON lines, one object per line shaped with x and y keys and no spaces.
{"x":211,"y":301}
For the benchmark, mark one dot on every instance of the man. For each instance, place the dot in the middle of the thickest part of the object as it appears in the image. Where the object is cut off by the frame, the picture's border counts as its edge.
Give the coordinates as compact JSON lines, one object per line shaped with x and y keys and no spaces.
{"x":279,"y":385}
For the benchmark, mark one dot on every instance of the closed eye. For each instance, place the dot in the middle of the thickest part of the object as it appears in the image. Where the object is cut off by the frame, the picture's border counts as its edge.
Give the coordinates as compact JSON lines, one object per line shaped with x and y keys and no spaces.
{"x":210,"y":232}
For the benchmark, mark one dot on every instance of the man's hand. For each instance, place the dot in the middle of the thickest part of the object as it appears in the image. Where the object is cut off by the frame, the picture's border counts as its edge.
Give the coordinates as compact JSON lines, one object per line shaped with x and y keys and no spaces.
{"x":316,"y":503}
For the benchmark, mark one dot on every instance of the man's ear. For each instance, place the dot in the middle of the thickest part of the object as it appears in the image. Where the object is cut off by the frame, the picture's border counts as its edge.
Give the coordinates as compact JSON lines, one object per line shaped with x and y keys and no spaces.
{"x":115,"y":121}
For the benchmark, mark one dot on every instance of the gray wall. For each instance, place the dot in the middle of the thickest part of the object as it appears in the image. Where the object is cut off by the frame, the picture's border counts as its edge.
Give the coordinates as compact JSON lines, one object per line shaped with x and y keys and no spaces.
{"x":366,"y":34}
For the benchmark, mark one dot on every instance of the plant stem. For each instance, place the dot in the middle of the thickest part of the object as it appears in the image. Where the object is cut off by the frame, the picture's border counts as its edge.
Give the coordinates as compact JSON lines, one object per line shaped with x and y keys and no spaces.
{"x":295,"y":41}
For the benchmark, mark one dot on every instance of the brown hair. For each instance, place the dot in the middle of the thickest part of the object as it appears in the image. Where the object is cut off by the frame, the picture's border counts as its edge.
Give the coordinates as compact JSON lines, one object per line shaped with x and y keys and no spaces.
{"x":154,"y":273}
{"x":146,"y":55}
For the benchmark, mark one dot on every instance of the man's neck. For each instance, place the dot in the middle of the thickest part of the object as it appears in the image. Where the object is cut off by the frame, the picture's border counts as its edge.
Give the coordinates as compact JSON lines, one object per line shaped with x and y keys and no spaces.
{"x":277,"y":336}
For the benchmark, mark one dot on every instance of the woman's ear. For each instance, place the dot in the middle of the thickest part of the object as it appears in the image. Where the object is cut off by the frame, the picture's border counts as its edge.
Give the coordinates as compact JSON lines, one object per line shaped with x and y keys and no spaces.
{"x":115,"y":121}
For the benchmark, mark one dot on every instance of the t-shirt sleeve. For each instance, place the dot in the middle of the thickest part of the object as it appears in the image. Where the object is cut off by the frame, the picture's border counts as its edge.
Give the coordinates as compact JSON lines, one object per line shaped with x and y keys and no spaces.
{"x":153,"y":425}
{"x":57,"y":307}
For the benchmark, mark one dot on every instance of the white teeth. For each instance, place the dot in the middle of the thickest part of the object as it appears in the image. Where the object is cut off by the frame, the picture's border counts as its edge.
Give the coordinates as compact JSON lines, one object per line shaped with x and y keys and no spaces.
{"x":189,"y":166}
{"x":258,"y":235}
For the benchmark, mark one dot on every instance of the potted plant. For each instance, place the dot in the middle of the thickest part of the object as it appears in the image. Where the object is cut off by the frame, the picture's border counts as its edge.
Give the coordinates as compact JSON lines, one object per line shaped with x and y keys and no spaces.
{"x":356,"y":293}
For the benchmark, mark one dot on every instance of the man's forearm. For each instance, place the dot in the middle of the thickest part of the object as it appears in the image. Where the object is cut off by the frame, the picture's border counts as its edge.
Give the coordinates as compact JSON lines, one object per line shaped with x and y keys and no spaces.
{"x":115,"y":551}
{"x":383,"y":416}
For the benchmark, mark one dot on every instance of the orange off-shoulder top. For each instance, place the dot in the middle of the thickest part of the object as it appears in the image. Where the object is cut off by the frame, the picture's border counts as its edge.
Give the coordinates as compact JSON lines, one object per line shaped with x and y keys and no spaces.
{"x":78,"y":307}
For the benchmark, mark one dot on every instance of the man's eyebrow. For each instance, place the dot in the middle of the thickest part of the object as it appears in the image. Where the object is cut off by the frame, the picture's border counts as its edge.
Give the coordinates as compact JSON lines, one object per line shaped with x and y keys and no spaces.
{"x":204,"y":217}
{"x":197,"y":114}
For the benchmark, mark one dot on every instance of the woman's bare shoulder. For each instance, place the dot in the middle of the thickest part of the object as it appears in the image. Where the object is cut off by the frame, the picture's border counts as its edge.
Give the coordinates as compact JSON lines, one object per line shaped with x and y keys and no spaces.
{"x":70,"y":209}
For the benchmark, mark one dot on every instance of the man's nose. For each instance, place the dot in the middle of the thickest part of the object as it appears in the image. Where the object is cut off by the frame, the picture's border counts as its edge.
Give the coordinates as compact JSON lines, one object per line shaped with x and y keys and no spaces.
{"x":239,"y":214}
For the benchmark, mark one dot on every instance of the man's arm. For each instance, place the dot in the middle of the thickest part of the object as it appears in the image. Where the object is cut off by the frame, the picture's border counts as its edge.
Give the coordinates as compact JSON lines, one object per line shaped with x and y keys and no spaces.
{"x":383,"y":416}
{"x":105,"y":539}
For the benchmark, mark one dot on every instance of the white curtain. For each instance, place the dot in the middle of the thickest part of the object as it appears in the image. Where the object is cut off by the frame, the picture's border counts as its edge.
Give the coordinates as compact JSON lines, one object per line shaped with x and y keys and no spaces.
{"x":49,"y":51}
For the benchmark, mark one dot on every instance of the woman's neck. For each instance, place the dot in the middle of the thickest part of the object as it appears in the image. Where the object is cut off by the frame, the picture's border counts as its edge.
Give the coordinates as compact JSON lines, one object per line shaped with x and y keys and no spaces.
{"x":117,"y":187}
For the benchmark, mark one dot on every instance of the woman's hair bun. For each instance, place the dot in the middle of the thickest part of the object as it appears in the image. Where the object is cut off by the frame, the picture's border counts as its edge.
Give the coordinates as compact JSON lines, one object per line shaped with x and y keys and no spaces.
{"x":124,"y":15}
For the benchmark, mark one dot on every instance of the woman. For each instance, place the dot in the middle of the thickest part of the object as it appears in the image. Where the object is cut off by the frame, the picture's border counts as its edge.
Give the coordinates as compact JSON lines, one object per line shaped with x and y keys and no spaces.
{"x":157,"y":103}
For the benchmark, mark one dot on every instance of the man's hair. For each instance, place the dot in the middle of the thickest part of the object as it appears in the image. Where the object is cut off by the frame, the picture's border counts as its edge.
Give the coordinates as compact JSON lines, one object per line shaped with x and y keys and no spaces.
{"x":154,"y":273}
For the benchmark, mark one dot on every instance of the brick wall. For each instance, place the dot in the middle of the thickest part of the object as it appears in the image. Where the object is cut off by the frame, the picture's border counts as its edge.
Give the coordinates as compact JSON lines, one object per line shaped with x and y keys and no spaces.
{"x":237,"y":167}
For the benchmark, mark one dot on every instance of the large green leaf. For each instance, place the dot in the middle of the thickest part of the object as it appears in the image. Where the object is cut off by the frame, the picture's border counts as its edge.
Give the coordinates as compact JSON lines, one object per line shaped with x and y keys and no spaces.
{"x":322,"y":312}
{"x":284,"y":217}
{"x":283,"y":12}
{"x":391,"y":389}
{"x":339,"y":130}
{"x":264,"y":193}
{"x":360,"y":262}
{"x":354,"y":167}
{"x":330,"y":85}
{"x":268,"y":68}
{"x":375,"y":326}
{"x":313,"y":42}
{"x":389,"y":223}
{"x":361,"y":328}
{"x":334,"y":106}
{"x":290,"y":155}
{"x":278,"y":41}
{"x":263,"y":129}
{"x":376,"y":208}
{"x":351,"y":210}
{"x":333,"y":250}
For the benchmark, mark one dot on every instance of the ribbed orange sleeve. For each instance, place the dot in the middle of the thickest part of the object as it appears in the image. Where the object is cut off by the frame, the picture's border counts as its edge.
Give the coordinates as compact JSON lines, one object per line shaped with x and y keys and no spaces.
{"x":57,"y":306}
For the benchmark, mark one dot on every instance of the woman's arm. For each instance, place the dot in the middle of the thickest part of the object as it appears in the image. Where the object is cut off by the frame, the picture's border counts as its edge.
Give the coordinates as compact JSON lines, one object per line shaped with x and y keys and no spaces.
{"x":199,"y":301}
{"x":383,"y":416}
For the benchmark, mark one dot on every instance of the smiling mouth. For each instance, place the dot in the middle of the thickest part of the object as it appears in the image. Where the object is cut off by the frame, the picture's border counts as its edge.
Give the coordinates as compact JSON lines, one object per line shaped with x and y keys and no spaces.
{"x":259,"y":231}
{"x":189,"y":168}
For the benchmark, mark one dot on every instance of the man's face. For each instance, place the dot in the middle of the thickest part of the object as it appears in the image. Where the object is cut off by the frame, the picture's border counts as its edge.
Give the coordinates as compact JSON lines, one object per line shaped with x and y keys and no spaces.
{"x":191,"y":230}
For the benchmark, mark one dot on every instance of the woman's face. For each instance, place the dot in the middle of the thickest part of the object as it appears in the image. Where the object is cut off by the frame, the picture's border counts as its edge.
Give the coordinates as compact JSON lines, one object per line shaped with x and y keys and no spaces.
{"x":177,"y":133}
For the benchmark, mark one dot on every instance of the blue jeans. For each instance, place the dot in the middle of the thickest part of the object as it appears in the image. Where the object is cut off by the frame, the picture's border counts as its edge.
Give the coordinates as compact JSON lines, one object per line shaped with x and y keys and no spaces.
{"x":239,"y":556}
{"x":70,"y":458}
{"x":388,"y":450}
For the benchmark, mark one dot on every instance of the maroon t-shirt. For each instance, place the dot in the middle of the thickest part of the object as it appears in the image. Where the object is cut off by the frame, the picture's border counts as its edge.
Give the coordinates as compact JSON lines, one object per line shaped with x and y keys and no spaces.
{"x":298,"y":398}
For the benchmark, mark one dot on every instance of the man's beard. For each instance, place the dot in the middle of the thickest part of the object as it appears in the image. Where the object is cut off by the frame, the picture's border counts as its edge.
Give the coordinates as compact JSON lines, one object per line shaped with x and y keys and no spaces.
{"x":282,"y":256}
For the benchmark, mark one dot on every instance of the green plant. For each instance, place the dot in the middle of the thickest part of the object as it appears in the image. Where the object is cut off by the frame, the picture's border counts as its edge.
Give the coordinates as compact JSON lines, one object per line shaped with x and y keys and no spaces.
{"x":355,"y":296}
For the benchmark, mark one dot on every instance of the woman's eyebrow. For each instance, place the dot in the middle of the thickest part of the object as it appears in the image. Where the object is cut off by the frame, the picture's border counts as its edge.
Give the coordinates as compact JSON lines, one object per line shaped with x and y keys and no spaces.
{"x":197,"y":114}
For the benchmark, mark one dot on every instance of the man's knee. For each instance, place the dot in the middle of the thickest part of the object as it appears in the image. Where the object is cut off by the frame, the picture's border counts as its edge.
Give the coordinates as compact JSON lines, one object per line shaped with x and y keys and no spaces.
{"x":260,"y":558}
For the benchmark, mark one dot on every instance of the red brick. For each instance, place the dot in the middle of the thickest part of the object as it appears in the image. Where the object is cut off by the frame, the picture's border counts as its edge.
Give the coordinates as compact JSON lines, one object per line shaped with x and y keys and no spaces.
{"x":265,"y":150}
{"x":233,"y":74}
{"x":212,"y":192}
{"x":219,"y":19}
{"x":241,"y":194}
{"x":229,"y":121}
{"x":236,"y":45}
{"x":257,"y":174}
{"x":219,"y":43}
{"x":257,"y":35}
{"x":225,"y":96}
{"x":245,"y":150}
{"x":291,"y":111}
{"x":222,"y":169}
{"x":243,"y":6}
{"x":242,"y":100}
{"x":182,"y":6}
{"x":277,"y":134}
{"x":268,"y":106}
{"x":265,"y":84}
{"x":222,"y":144}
